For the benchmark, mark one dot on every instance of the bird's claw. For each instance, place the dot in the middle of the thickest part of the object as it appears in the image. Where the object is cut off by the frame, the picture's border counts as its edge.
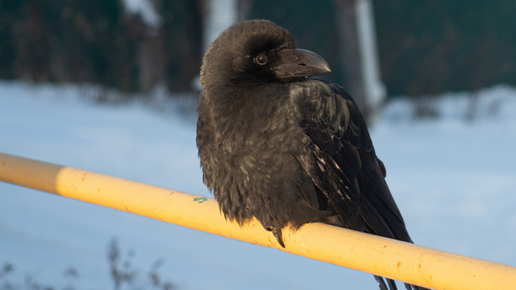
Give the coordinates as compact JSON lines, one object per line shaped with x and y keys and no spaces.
{"x":279,"y":236}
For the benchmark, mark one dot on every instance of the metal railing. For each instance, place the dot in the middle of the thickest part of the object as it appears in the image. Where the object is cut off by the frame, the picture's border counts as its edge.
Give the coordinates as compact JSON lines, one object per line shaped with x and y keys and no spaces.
{"x":351,"y":249}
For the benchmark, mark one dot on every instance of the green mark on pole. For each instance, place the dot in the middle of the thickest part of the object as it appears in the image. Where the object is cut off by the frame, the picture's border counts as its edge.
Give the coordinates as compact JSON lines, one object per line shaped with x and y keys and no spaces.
{"x":200,"y":199}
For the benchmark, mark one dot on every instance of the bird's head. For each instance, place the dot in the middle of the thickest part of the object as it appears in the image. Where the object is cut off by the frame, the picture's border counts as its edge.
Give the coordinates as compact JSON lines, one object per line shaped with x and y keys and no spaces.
{"x":258,"y":51}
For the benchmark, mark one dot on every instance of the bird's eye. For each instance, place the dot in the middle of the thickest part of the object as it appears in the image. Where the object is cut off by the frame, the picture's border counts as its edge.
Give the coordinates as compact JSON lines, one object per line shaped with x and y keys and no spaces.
{"x":261,"y":59}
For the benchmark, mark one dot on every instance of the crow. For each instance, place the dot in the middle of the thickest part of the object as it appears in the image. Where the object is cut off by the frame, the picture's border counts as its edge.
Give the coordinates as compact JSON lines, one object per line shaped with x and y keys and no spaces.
{"x":281,"y":145}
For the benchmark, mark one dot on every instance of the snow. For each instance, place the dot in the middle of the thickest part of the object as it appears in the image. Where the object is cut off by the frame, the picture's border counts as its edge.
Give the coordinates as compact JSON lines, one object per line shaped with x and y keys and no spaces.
{"x":453,"y":179}
{"x":220,"y":14}
{"x":146,"y":9}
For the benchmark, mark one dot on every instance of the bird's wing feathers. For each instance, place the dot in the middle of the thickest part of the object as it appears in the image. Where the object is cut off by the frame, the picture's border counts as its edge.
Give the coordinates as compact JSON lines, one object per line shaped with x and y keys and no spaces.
{"x":342,"y":162}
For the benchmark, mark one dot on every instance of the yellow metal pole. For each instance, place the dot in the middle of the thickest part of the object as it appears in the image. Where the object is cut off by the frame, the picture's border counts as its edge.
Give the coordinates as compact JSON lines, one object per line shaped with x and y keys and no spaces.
{"x":372,"y":254}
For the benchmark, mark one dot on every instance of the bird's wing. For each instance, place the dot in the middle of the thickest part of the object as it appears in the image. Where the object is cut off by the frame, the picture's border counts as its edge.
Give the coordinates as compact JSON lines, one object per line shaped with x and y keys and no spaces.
{"x":206,"y":142}
{"x":342,"y":162}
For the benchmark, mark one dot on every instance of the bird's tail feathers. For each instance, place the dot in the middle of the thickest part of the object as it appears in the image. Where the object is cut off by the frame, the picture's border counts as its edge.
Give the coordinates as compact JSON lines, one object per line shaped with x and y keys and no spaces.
{"x":392,"y":284}
{"x":414,"y":287}
{"x":383,"y":285}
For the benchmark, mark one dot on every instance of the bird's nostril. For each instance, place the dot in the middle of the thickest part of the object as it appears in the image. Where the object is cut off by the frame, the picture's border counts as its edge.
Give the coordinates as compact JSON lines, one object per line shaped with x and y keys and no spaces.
{"x":302,"y":64}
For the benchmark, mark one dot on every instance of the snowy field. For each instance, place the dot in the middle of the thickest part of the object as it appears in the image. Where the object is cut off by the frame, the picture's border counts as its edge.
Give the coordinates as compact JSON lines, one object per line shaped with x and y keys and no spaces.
{"x":454,"y":181}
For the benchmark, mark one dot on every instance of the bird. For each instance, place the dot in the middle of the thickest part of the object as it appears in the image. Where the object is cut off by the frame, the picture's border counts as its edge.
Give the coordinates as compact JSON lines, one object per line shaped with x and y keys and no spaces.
{"x":284,"y":146}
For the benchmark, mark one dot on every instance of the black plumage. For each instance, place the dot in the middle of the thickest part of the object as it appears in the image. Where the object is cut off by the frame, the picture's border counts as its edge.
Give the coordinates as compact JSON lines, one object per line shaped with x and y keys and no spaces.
{"x":285,"y":147}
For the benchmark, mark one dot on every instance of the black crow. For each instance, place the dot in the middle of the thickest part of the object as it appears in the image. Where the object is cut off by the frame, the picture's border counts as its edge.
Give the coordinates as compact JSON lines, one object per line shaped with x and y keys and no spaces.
{"x":284,"y":147}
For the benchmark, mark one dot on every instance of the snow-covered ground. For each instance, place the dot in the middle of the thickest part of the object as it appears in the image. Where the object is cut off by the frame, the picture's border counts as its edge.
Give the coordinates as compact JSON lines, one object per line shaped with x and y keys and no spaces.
{"x":454,"y":181}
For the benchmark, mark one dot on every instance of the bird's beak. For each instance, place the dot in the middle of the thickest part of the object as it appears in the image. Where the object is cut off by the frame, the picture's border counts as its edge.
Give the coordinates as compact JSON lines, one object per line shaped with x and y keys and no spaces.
{"x":299,"y":63}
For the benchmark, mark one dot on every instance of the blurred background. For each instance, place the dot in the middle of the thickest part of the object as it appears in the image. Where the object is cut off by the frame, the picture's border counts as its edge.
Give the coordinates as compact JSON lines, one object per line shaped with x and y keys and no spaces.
{"x":423,"y":48}
{"x":111,"y":86}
